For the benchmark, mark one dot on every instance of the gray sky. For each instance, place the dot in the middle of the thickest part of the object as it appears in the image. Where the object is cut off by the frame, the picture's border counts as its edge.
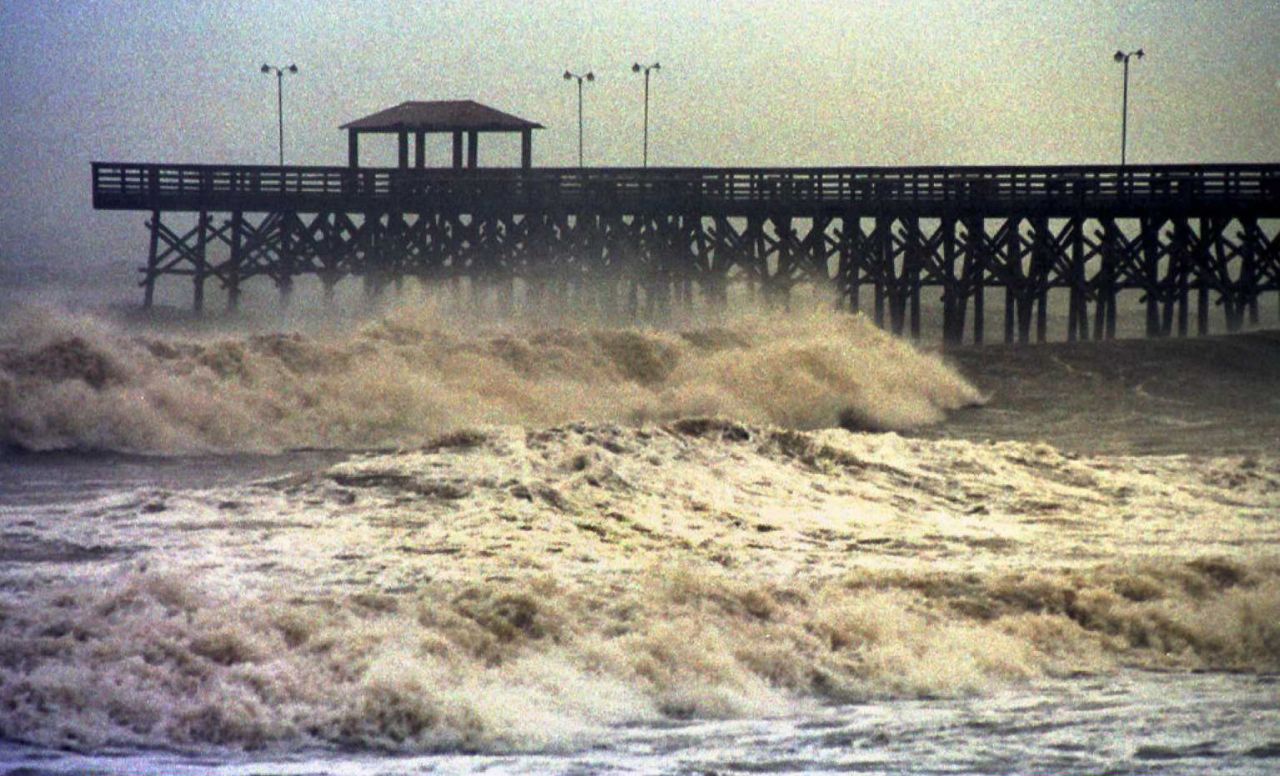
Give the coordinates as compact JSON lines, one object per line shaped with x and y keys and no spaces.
{"x":742,"y":83}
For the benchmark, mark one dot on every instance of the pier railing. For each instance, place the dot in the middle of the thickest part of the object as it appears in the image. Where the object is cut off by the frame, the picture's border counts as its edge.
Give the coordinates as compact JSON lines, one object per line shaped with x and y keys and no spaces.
{"x":990,"y":191}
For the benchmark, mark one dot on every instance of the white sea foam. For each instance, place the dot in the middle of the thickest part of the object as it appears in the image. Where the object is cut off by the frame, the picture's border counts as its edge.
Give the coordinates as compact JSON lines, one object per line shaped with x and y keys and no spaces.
{"x":153,"y":661}
{"x":72,"y":383}
{"x":524,"y":589}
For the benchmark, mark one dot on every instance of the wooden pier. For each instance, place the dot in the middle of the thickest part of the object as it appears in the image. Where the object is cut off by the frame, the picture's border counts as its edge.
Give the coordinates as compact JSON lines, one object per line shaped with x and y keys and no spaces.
{"x":1183,"y":238}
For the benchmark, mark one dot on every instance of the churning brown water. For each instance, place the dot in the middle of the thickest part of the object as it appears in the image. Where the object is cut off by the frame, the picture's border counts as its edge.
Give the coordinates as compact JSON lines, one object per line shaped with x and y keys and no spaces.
{"x":591,"y":548}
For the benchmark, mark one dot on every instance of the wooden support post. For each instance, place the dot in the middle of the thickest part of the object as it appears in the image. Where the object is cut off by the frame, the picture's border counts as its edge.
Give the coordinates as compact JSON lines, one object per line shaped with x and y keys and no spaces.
{"x":237,"y":259}
{"x":1111,"y":265}
{"x":1249,"y":271}
{"x":1182,"y":255}
{"x":1169,"y":285}
{"x":883,"y":263}
{"x":1203,"y":262}
{"x":977,"y":254}
{"x":395,"y":251}
{"x":1042,"y":257}
{"x":1013,"y":271}
{"x":913,"y":261}
{"x":652,"y":260}
{"x":1082,"y":281}
{"x":660,"y":279}
{"x":895,"y":288}
{"x":201,"y":262}
{"x":1101,"y":284}
{"x":153,"y":256}
{"x":526,"y":148}
{"x":952,"y":300}
{"x":850,"y":265}
{"x":979,"y":305}
{"x":778,"y":284}
{"x":419,"y":149}
{"x":1251,"y":249}
{"x":1073,"y":312}
{"x":691,"y":245}
{"x":374,"y":247}
{"x":1077,"y":313}
{"x":754,"y":256}
{"x":1042,"y":314}
{"x":1225,"y":288}
{"x":286,"y":259}
{"x":1151,"y":273}
{"x":708,"y":258}
{"x":402,"y":146}
{"x":457,"y":150}
{"x":353,"y":148}
{"x":473,"y":155}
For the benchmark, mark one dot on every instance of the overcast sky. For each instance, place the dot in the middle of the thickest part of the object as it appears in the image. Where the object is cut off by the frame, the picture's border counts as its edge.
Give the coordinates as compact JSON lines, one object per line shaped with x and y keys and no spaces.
{"x":742,"y":83}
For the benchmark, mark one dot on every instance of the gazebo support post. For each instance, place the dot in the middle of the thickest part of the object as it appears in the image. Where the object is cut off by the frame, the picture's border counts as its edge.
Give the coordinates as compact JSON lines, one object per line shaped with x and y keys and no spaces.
{"x":465,"y":120}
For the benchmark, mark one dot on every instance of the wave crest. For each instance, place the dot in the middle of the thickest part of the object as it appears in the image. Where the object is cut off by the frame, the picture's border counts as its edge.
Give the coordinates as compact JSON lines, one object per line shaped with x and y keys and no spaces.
{"x":154,"y":660}
{"x":77,"y":384}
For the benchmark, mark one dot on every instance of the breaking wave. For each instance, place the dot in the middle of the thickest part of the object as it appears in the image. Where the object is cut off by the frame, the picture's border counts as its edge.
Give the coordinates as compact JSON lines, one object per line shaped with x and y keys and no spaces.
{"x":79,"y":384}
{"x":154,"y":660}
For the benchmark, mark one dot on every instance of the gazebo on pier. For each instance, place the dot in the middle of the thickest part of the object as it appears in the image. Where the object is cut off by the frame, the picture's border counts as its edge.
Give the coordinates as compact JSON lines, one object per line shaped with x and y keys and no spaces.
{"x":457,"y":117}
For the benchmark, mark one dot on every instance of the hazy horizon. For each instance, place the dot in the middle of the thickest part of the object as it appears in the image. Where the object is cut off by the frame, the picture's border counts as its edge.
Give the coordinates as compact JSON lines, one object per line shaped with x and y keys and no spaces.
{"x":804,"y":83}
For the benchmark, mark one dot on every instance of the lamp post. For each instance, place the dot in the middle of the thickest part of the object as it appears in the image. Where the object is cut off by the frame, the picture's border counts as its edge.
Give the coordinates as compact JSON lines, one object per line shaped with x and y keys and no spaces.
{"x":568,"y":76}
{"x":638,"y":68}
{"x":268,"y":69}
{"x":1123,"y":58}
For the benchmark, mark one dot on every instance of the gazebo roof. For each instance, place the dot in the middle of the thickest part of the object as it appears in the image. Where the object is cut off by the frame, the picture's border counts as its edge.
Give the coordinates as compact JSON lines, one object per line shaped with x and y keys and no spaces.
{"x":441,"y":116}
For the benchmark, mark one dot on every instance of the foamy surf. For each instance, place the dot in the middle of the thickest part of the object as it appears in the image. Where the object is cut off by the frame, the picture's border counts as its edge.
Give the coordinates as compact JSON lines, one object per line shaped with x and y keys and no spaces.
{"x":82,"y":385}
{"x":154,"y":661}
{"x":509,"y":589}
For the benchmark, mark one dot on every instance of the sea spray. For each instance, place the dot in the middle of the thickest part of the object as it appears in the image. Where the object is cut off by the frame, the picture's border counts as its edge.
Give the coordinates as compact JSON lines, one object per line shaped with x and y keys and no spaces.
{"x":79,"y":384}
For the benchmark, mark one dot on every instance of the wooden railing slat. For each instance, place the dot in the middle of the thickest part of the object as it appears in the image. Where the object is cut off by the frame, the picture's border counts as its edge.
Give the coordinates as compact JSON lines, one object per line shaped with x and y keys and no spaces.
{"x":151,"y":185}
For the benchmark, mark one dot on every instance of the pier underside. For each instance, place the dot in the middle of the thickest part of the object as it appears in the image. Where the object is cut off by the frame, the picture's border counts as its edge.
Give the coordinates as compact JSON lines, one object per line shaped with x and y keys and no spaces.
{"x":1184,"y":270}
{"x":1191,"y":244}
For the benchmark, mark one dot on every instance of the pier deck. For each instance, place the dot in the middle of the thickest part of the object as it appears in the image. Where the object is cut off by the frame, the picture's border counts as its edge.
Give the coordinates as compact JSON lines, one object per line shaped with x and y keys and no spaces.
{"x":923,"y":191}
{"x":1184,"y":236}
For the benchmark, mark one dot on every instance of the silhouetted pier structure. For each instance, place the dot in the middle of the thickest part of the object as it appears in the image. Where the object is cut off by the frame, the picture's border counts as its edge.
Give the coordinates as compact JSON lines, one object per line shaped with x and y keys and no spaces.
{"x":1183,"y":237}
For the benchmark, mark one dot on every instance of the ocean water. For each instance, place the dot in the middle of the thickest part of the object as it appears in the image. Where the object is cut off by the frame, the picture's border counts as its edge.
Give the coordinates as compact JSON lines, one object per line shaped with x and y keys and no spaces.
{"x":1126,"y":723}
{"x":769,"y":544}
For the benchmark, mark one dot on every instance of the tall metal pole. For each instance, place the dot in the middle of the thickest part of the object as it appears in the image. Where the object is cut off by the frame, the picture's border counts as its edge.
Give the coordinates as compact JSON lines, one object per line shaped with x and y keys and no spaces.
{"x":569,"y":76}
{"x":1123,"y":58}
{"x":636,"y":68}
{"x":646,"y":117}
{"x":1124,"y":115}
{"x":279,"y":71}
{"x":280,"y":110}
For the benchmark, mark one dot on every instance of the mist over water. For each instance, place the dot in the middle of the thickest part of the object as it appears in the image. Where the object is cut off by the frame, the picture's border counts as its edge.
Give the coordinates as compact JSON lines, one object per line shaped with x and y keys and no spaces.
{"x":77,"y":383}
